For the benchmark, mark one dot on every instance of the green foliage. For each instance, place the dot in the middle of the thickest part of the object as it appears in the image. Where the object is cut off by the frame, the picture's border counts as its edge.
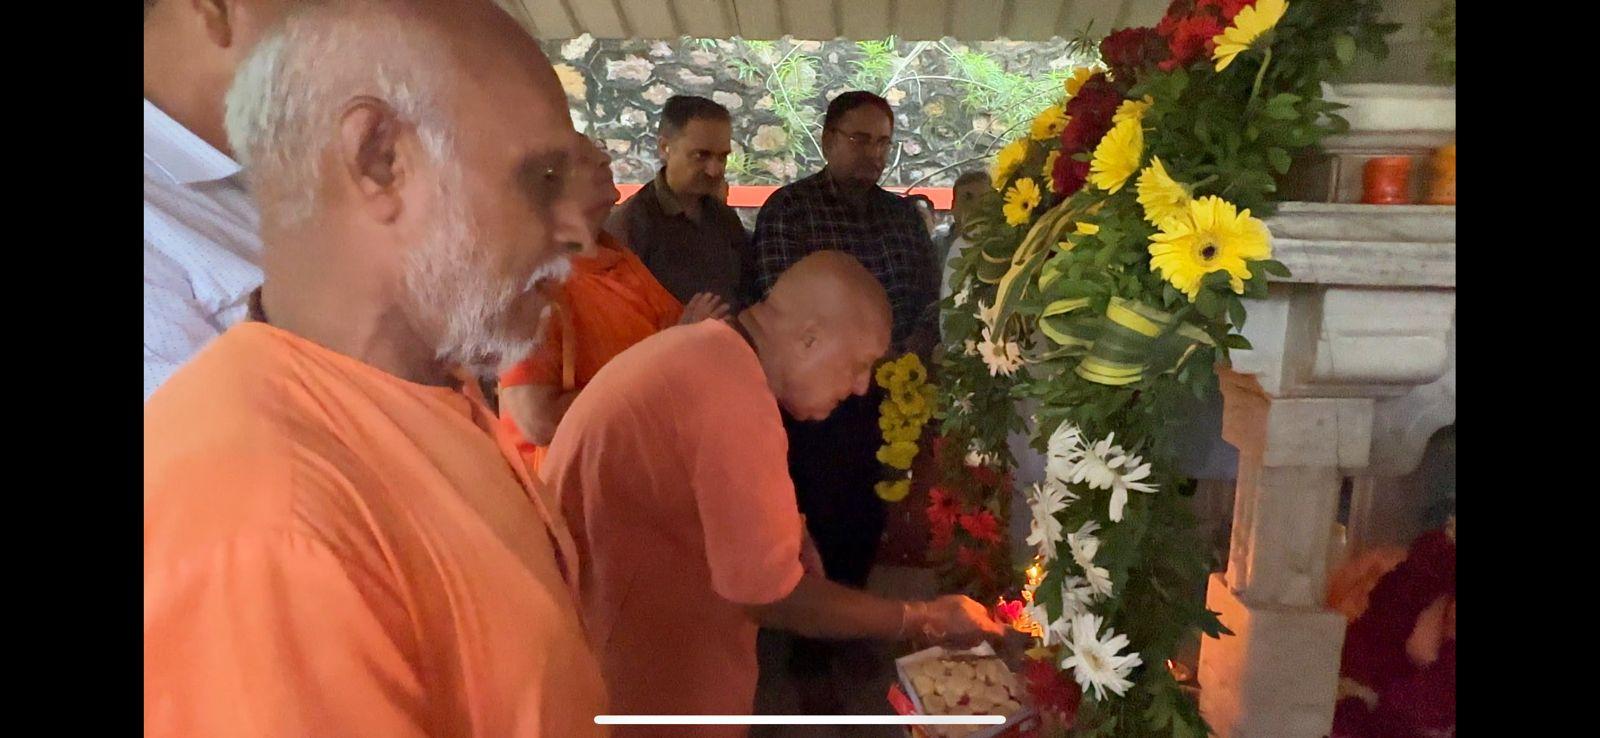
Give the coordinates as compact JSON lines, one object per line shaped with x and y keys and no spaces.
{"x":876,"y":65}
{"x":1012,"y":99}
{"x":1441,"y":28}
{"x":1066,"y":295}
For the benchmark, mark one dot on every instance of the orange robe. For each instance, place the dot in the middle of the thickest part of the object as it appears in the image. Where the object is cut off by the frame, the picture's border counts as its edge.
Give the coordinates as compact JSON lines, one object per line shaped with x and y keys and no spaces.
{"x":330,"y":550}
{"x":672,"y":470}
{"x":613,"y":302}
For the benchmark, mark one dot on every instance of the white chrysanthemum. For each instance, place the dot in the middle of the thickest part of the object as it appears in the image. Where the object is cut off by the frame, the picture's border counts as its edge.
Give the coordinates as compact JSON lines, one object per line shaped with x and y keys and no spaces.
{"x":1105,"y":465}
{"x":1075,"y":600}
{"x":1097,"y":662}
{"x":1044,"y":532}
{"x":1064,"y":451}
{"x":1084,"y":547}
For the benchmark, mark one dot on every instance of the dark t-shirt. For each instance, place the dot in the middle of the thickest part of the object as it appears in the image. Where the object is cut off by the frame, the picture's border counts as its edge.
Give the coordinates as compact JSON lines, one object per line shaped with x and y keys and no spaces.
{"x":687,"y":256}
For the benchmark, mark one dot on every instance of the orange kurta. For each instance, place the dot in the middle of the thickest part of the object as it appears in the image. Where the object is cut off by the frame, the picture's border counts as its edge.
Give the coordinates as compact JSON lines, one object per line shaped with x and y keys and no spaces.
{"x":330,"y":550}
{"x":614,"y":303}
{"x":672,"y":470}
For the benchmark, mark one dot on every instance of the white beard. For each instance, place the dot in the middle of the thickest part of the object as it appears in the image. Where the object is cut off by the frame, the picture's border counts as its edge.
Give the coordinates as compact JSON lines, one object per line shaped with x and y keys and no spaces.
{"x":448,"y":279}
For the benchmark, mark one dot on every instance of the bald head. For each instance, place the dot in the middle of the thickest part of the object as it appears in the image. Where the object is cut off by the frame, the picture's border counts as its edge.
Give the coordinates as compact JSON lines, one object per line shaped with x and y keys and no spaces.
{"x":835,"y":290}
{"x":821,"y":328}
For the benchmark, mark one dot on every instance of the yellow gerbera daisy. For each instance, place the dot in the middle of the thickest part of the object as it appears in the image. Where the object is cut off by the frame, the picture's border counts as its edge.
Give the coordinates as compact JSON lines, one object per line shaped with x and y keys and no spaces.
{"x":1079,"y":76}
{"x":1007,"y":161}
{"x":1049,"y":124}
{"x":1049,"y":170}
{"x":1021,"y":199}
{"x":1211,"y":236}
{"x":1117,"y":157}
{"x":1248,"y":26}
{"x":1132,"y":109}
{"x":1162,"y":197}
{"x":893,"y":491}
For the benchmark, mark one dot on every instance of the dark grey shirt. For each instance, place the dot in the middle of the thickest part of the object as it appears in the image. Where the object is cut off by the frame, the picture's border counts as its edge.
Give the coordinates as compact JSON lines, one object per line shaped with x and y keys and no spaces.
{"x":687,"y":256}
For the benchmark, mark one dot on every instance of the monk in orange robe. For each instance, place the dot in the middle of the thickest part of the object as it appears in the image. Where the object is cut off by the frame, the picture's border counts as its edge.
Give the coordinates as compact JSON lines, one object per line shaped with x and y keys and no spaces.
{"x":334,"y":544}
{"x":672,"y":469}
{"x":610,"y":303}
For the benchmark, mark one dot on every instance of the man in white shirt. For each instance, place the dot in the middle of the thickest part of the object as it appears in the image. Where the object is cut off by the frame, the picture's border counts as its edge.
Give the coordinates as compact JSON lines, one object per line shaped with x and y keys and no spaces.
{"x":200,"y":244}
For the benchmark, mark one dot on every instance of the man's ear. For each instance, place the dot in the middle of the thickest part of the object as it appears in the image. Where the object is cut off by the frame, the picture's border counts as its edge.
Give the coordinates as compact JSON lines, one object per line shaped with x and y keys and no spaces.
{"x":373,"y":158}
{"x":810,"y":334}
{"x":218,"y":20}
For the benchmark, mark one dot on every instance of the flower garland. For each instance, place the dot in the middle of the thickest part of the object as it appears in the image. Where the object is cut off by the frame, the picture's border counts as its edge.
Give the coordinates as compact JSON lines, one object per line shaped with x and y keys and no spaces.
{"x":1106,"y":277}
{"x":907,"y":406}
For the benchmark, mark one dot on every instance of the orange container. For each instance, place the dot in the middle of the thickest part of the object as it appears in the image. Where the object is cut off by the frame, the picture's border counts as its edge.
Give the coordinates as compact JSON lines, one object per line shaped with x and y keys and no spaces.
{"x":1386,"y":180}
{"x":1442,"y":187}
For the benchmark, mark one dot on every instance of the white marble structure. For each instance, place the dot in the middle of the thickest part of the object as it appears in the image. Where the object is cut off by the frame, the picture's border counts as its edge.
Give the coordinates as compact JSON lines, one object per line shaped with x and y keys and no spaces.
{"x":1352,"y":370}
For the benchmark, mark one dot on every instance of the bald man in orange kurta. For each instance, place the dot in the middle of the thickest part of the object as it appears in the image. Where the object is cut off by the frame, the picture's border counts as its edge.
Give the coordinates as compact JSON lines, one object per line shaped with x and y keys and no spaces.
{"x":685,"y":527}
{"x":671,"y":468}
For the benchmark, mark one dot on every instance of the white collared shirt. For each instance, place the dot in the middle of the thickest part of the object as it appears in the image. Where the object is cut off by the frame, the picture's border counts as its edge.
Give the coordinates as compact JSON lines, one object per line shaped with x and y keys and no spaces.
{"x":201,"y":245}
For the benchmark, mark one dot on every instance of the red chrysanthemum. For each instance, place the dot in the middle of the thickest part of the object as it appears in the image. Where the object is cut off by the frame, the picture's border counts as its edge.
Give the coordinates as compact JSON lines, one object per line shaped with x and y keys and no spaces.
{"x":1129,"y":50}
{"x":1090,"y":114}
{"x":1226,"y":9}
{"x":982,"y":526}
{"x":1052,"y":690}
{"x":1191,"y":40}
{"x":1069,"y":176}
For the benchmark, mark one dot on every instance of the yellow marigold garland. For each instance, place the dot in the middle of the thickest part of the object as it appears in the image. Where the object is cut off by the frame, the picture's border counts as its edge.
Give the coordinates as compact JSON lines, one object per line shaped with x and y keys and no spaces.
{"x":906,"y":408}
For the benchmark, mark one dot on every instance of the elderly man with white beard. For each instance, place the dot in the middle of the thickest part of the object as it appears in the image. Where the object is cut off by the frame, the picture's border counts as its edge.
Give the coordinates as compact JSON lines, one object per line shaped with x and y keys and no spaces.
{"x":334,"y":544}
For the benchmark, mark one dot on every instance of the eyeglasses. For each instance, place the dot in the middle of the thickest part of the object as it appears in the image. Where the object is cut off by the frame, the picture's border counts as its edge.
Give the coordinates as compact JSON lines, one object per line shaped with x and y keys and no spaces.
{"x":866,"y":141}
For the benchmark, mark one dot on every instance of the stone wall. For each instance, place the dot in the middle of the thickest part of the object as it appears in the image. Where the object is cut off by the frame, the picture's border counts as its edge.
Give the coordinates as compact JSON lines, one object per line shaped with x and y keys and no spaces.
{"x":956,"y":103}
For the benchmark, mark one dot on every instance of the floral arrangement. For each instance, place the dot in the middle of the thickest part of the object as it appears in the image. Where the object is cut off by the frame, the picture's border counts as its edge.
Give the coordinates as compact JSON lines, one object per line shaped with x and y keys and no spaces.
{"x":907,"y":406}
{"x":965,"y":514}
{"x":1106,"y":278}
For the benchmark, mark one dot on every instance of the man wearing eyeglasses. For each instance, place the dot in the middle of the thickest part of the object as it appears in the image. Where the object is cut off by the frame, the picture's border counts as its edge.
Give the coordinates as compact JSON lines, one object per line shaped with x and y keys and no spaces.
{"x":833,"y":461}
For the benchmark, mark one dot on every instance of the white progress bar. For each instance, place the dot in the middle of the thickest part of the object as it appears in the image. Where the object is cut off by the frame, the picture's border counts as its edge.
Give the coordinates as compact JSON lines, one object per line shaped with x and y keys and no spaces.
{"x":799,"y":720}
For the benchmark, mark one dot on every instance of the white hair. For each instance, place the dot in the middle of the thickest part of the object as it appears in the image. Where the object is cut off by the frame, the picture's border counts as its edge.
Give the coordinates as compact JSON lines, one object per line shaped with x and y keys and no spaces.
{"x":287,"y":95}
{"x":283,"y":113}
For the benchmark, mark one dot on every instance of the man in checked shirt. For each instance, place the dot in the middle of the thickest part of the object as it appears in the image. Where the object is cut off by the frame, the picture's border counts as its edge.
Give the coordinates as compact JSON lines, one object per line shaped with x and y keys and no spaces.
{"x":833,"y":462}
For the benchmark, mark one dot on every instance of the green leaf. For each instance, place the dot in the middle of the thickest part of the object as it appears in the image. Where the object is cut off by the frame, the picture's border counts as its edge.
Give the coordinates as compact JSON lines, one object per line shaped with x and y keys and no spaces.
{"x":1279,"y":159}
{"x":1255,"y":289}
{"x":1219,"y":279}
{"x":1208,"y":304}
{"x":1344,"y":47}
{"x":1236,"y":314}
{"x":1236,"y":341}
{"x":1275,"y":268}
